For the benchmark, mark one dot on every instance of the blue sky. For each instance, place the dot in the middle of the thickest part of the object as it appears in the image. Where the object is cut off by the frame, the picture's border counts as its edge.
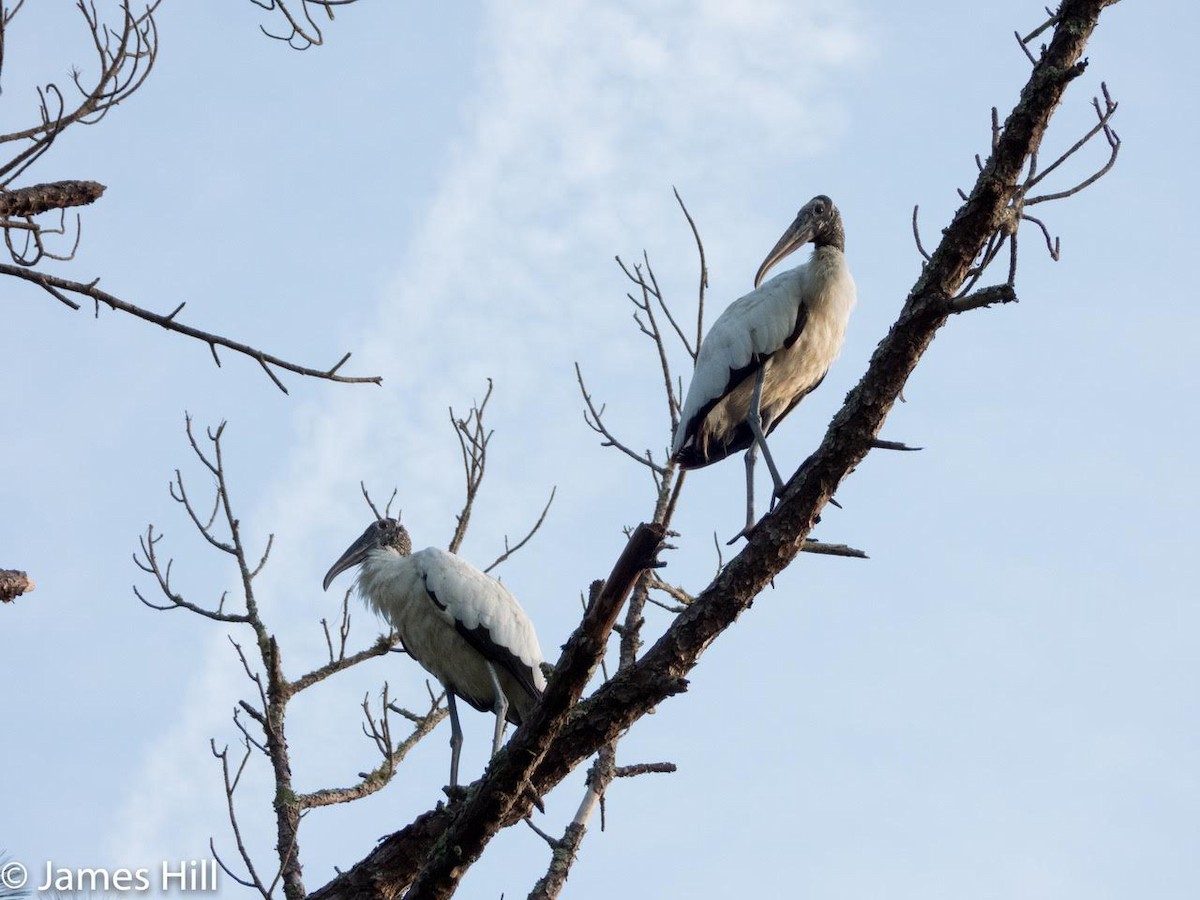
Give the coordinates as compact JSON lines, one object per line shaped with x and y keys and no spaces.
{"x":1001,"y":702}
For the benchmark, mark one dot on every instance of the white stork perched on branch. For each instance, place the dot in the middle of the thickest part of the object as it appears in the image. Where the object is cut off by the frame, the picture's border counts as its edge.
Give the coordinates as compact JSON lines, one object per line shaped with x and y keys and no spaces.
{"x":768,"y":350}
{"x":461,"y":625}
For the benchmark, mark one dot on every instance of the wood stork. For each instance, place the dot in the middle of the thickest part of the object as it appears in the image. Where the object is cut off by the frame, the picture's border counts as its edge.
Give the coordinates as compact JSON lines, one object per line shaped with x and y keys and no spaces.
{"x":462,"y":626}
{"x":769,"y":349}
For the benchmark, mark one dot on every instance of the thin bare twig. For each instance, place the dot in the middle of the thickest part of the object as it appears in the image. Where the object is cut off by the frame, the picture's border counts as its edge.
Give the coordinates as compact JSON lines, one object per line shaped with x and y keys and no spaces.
{"x":510,"y":550}
{"x":660,"y":768}
{"x":997,"y":293}
{"x":812,"y":545}
{"x":1104,"y":116}
{"x":231,"y":782}
{"x":917,"y":235}
{"x":594,"y":417}
{"x":654,"y":582}
{"x":473,"y":441}
{"x":878,"y":444}
{"x":387,"y":510}
{"x":303,"y":32}
{"x":1020,"y":199}
{"x":703,"y":281}
{"x":379,"y":730}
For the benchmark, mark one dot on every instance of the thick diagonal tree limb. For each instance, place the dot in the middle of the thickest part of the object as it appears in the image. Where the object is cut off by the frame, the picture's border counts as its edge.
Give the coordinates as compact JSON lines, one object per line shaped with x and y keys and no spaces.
{"x":504,"y":789}
{"x":662,"y":671}
{"x":502,"y":796}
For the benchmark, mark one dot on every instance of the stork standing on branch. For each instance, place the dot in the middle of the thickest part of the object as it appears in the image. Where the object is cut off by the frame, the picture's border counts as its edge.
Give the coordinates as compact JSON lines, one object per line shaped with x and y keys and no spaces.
{"x":768,"y":350}
{"x":461,"y":625}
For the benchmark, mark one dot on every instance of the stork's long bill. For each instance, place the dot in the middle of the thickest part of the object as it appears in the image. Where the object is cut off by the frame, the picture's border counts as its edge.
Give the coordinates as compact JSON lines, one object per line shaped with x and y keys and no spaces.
{"x":805,"y":228}
{"x":381,"y":533}
{"x":799,"y":233}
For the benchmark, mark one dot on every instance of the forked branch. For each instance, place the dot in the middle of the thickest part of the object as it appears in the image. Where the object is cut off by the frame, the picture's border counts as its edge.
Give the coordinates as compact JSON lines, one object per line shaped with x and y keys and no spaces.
{"x":301,"y":30}
{"x":62,"y":289}
{"x":124,"y":57}
{"x":33,"y":218}
{"x":473,"y":438}
{"x":379,"y":730}
{"x":1004,"y":232}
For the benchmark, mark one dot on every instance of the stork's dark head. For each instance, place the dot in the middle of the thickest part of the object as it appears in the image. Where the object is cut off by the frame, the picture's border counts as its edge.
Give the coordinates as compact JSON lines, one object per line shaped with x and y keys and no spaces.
{"x":382,"y":534}
{"x":818,"y":221}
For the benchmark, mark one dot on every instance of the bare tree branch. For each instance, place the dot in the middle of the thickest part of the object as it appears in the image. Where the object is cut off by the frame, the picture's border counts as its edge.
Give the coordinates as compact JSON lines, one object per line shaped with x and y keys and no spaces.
{"x":39,"y":198}
{"x":231,"y":782}
{"x":302,"y":30}
{"x":703,"y":281}
{"x":594,"y":417}
{"x":382,"y":646}
{"x":510,"y":550}
{"x":812,"y":545}
{"x":566,"y":848}
{"x":386,"y":510}
{"x":1006,"y":229}
{"x":472,"y":442}
{"x":59,"y":288}
{"x":997,"y":293}
{"x":14,"y":583}
{"x":393,"y":754}
{"x":917,"y":235}
{"x":125,"y":56}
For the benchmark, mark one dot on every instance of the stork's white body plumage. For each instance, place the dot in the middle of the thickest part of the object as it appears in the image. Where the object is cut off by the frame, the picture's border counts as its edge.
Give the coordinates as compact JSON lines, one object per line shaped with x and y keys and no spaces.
{"x":760,"y":329}
{"x":768,"y":350}
{"x":462,"y":626}
{"x":431,"y":597}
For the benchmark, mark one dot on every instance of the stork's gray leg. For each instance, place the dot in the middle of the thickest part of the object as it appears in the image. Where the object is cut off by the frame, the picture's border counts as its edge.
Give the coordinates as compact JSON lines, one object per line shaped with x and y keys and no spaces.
{"x":456,"y":739}
{"x":500,"y":708}
{"x":754,"y":418}
{"x":750,"y":455}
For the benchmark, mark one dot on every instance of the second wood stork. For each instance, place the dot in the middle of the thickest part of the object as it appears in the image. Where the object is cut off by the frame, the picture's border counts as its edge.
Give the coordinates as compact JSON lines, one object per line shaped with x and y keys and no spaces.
{"x":461,"y":625}
{"x":769,"y":349}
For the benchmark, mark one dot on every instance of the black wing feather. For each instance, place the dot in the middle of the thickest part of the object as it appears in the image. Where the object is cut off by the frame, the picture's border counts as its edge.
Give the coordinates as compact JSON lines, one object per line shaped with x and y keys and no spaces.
{"x":692,"y":455}
{"x":481,"y":641}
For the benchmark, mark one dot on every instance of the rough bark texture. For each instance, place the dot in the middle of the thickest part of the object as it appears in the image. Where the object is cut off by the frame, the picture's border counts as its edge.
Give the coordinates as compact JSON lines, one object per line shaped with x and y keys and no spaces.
{"x":40,"y":198}
{"x":433,"y":840}
{"x":287,"y":806}
{"x":562,"y":858}
{"x":13,"y":584}
{"x":505,"y":791}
